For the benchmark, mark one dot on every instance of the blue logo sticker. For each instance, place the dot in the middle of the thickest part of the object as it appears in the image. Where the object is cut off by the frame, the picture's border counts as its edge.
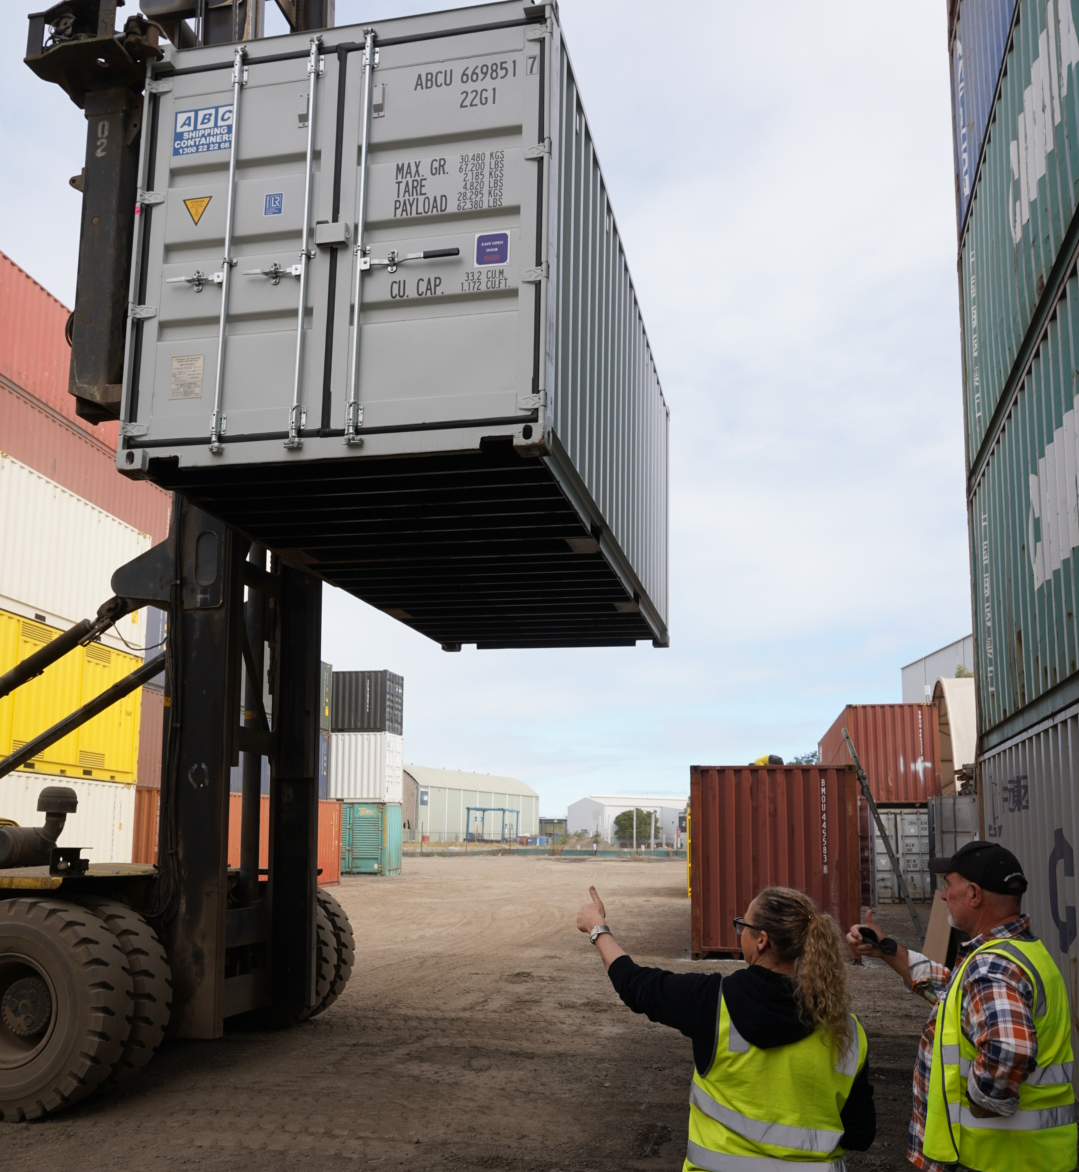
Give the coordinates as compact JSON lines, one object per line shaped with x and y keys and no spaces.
{"x":199,"y":131}
{"x":275,"y":203}
{"x":492,"y":248}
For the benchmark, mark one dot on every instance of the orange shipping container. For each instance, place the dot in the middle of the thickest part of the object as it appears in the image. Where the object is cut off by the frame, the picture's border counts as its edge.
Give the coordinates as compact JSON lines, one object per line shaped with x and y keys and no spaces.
{"x":758,"y":826}
{"x":897,"y":744}
{"x":144,"y":848}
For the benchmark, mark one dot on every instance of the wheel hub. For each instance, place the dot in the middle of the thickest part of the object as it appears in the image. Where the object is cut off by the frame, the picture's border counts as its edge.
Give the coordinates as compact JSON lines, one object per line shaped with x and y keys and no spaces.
{"x":26,"y":1008}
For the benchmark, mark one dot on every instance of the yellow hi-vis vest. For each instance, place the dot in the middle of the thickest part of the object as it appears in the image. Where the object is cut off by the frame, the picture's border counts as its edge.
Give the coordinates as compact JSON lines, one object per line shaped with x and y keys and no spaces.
{"x":756,"y":1108}
{"x":1041,"y":1135}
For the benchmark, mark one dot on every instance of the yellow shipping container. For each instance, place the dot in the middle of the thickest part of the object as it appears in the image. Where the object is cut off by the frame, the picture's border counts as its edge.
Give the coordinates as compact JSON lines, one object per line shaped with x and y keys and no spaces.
{"x":105,"y":748}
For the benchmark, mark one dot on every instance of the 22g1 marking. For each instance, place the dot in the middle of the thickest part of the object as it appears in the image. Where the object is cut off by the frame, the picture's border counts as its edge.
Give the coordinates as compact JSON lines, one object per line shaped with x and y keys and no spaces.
{"x":470,"y":98}
{"x":489,"y":71}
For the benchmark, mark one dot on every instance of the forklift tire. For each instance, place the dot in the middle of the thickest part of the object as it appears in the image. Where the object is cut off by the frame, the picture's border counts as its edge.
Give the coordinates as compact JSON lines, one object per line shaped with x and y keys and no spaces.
{"x":346,"y":947}
{"x":64,"y":994}
{"x":325,"y":961}
{"x":151,"y":978}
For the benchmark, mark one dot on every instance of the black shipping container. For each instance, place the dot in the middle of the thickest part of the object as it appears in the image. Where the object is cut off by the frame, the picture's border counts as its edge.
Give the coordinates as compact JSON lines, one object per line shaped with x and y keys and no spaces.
{"x":368,"y":701}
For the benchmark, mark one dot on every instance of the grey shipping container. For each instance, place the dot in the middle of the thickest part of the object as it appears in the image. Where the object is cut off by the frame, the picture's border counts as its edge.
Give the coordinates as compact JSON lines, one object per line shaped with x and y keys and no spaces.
{"x":482,"y":451}
{"x":325,"y":704}
{"x":368,"y":701}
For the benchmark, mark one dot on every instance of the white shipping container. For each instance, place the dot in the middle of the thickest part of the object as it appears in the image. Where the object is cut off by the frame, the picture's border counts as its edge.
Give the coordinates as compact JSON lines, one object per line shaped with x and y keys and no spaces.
{"x":909,"y":832}
{"x":103,"y":824}
{"x":366,"y":766}
{"x":60,"y":552}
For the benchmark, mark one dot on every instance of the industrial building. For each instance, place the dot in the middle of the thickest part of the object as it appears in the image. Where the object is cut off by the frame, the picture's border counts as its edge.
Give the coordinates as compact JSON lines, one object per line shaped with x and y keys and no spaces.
{"x":596,"y":813}
{"x":451,"y":806}
{"x":920,"y":676}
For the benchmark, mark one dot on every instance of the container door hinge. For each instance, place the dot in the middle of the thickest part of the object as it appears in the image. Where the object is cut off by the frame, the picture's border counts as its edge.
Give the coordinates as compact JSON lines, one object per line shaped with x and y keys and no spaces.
{"x":536,"y":32}
{"x":159,"y":87}
{"x":534,"y":276}
{"x":532,"y":402}
{"x":540,"y":151}
{"x":134,"y":430}
{"x":149,"y":199}
{"x":141,"y":312}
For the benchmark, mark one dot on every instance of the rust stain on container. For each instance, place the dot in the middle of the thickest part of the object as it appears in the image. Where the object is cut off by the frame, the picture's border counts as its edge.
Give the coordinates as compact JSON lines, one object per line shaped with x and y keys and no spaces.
{"x":898,"y":745}
{"x":144,"y":835}
{"x":753,"y":827}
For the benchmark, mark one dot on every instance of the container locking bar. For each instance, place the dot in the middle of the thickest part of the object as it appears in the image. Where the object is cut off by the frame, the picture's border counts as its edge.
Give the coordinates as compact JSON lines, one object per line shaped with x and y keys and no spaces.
{"x":197,"y":279}
{"x":239,"y":80}
{"x":394,"y":258}
{"x":353,"y":410}
{"x":297,"y":416}
{"x":275,"y":272}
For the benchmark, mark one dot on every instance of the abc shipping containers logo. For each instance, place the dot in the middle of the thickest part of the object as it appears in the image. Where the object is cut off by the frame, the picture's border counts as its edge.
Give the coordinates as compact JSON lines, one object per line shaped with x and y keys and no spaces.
{"x":200,"y":131}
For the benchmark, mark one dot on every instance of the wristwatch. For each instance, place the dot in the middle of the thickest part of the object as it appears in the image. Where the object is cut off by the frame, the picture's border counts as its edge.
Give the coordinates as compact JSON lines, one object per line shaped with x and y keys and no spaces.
{"x":598,"y":931}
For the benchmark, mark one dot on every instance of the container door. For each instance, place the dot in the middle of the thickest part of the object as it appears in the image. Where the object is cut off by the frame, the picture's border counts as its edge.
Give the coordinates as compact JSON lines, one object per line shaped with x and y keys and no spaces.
{"x":451,"y":338}
{"x":173,"y":397}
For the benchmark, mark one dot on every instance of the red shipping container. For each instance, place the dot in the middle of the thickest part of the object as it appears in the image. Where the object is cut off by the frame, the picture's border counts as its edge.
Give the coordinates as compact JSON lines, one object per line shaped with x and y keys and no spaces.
{"x":151,"y":728}
{"x":144,"y":842}
{"x":759,"y":826}
{"x":897,"y":744}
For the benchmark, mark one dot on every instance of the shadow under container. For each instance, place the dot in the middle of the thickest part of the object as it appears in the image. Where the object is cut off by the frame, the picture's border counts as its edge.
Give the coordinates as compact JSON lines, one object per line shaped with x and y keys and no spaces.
{"x":762,"y":826}
{"x":370,"y":838}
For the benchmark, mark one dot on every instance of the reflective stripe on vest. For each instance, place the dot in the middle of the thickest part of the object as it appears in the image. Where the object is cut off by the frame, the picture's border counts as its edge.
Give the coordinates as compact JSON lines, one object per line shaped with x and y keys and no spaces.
{"x":1020,"y":1121}
{"x":801,"y":1139}
{"x":1056,"y":1074}
{"x":721,"y":1162}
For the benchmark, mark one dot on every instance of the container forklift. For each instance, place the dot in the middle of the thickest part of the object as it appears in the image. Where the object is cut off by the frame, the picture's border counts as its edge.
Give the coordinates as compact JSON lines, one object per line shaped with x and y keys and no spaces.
{"x":98,"y":961}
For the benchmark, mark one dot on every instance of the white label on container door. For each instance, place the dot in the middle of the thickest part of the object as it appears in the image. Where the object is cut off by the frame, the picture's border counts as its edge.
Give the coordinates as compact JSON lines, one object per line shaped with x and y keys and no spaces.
{"x":186,"y":379}
{"x":199,"y":131}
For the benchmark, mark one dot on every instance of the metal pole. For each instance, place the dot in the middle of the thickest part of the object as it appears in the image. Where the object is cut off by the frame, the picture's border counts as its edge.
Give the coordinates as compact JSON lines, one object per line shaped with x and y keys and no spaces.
{"x":239,"y":80}
{"x":863,"y":781}
{"x":251,"y":797}
{"x":354,"y":412}
{"x":652,"y":845}
{"x":634,"y":829}
{"x":296,"y":412}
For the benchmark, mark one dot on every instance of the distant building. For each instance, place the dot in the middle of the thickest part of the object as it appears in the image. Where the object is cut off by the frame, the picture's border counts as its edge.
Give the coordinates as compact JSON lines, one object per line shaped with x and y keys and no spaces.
{"x":920,"y":677}
{"x":596,"y":813}
{"x":449,"y":805}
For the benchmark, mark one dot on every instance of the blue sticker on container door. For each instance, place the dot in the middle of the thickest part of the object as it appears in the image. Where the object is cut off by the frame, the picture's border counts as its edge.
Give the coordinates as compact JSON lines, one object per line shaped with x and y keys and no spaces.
{"x":275,"y":203}
{"x":492,"y":248}
{"x":199,"y":131}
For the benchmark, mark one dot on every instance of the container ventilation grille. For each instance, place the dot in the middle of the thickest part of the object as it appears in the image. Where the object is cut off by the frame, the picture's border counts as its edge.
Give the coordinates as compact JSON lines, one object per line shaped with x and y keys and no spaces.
{"x":36,"y":633}
{"x":91,"y":760}
{"x":17,"y":745}
{"x":98,"y":654}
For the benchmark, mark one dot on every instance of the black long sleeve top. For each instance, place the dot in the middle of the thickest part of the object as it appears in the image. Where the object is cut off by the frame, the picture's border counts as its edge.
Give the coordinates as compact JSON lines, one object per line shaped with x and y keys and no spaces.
{"x":763,"y":1009}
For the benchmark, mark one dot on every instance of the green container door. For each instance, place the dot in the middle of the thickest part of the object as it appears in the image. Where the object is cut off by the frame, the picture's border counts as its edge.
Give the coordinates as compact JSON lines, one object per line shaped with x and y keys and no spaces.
{"x":370,"y":838}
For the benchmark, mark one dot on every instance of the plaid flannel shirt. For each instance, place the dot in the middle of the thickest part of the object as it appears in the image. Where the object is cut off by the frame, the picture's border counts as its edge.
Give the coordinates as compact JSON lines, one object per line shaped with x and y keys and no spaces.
{"x":997,"y":1016}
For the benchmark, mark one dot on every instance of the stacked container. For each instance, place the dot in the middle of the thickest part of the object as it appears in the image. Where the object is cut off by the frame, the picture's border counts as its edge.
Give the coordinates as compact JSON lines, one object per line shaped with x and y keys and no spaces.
{"x":67,"y":521}
{"x":1017,"y":155}
{"x":367,"y":748}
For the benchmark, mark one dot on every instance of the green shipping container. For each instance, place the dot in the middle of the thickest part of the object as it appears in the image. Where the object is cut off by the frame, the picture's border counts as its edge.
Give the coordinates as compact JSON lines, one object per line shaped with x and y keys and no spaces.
{"x":370,"y":838}
{"x":1024,"y":527}
{"x":1020,"y":217}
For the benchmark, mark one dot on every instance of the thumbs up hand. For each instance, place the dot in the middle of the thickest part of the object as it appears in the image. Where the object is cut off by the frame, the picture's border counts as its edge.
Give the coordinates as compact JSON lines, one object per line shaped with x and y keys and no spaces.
{"x":589,"y":915}
{"x":865,"y":945}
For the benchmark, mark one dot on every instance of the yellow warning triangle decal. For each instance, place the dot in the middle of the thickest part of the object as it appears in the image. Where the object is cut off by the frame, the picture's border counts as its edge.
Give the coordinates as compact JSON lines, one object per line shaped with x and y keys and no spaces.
{"x":197,"y":206}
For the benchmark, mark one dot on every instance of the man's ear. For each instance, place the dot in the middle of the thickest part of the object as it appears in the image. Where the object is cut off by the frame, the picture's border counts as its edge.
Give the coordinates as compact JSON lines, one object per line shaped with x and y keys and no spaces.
{"x":977,"y":895}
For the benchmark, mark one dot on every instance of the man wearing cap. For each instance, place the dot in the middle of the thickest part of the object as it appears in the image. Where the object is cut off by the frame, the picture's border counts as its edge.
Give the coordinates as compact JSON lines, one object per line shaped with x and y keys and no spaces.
{"x":993,"y":1080}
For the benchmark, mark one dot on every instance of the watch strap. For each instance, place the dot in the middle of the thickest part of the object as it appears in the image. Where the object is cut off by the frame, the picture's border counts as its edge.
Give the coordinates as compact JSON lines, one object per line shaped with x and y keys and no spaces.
{"x":598,"y":931}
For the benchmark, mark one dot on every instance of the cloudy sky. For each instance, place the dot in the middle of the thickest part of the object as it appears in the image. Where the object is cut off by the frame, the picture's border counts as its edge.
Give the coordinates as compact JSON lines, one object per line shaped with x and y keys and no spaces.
{"x":782,"y":179}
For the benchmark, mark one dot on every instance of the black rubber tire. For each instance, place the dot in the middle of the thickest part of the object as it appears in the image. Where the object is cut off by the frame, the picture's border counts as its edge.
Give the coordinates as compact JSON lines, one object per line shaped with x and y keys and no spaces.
{"x":325,"y":961}
{"x":151,"y":983}
{"x":90,"y":989}
{"x":346,"y":947}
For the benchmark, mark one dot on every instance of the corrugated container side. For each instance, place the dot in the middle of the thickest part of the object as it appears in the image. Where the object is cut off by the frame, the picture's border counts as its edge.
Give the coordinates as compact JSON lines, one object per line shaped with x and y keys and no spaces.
{"x":325,"y":708}
{"x":758,"y":826}
{"x":38,"y":437}
{"x":1030,"y":804}
{"x":978,"y":32}
{"x":151,"y":733}
{"x":105,"y":747}
{"x":34,"y":354}
{"x":102,"y":825}
{"x":368,"y":701}
{"x":1022,"y":205}
{"x":60,"y":551}
{"x":371,"y":838}
{"x":323,"y":765}
{"x":329,"y":837}
{"x":366,"y":766}
{"x":897,"y":744}
{"x":607,"y":406}
{"x":144,"y":838}
{"x":1024,"y":526}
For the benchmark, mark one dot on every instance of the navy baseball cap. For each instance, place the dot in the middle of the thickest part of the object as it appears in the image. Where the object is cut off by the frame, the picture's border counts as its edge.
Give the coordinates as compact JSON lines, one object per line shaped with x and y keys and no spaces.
{"x":992,"y":867}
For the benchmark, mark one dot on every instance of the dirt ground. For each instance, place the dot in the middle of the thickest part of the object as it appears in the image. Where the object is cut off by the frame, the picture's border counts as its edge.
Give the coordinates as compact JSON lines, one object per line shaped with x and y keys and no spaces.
{"x":478,"y":1031}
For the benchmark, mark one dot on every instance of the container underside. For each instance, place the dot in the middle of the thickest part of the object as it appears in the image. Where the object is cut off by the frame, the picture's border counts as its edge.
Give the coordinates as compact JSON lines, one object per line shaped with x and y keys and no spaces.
{"x":464,"y":548}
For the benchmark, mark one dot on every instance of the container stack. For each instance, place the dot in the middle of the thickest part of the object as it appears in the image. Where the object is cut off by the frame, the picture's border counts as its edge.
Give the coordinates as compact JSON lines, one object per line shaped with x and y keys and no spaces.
{"x":1016,"y":131}
{"x":67,"y":521}
{"x":899,"y":748}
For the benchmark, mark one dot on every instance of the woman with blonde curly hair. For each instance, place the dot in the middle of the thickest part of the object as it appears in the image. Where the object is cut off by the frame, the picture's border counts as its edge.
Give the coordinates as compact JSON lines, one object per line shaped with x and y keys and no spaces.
{"x":780,"y":1062}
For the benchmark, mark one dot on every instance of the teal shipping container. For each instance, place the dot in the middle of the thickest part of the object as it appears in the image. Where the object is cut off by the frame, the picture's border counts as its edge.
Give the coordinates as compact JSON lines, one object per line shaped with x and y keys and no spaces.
{"x":1020,"y":219}
{"x":370,"y":838}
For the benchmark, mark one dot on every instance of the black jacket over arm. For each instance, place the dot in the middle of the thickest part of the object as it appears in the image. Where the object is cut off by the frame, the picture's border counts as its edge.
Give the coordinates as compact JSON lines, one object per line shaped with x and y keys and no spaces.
{"x":763,"y":1009}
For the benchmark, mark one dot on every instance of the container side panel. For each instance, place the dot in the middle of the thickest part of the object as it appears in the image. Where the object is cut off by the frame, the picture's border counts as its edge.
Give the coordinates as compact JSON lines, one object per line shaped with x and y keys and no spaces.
{"x":144,"y":838}
{"x":102,"y":825}
{"x":329,"y":836}
{"x":897,"y":744}
{"x":151,"y":734}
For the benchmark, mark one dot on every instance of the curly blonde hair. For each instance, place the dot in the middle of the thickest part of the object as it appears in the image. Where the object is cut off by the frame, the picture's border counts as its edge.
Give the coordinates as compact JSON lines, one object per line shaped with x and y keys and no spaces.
{"x":811,"y":941}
